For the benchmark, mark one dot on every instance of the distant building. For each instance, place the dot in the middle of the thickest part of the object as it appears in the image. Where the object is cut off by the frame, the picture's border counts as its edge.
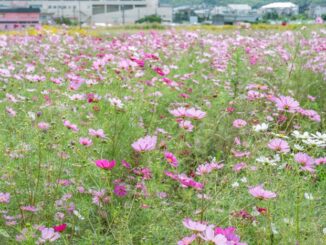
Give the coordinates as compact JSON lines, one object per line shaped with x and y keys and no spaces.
{"x":317,"y":10}
{"x":99,"y":11}
{"x":239,"y":8}
{"x":233,"y":13}
{"x":281,"y":8}
{"x":15,"y":18}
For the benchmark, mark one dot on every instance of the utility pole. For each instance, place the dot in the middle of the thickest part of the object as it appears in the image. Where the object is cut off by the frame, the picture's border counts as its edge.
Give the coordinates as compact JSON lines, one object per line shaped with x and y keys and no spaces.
{"x":79,"y":20}
{"x":123,"y":14}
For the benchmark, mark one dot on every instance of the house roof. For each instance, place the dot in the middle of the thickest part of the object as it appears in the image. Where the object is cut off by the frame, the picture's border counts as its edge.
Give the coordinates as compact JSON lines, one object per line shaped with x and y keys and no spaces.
{"x":239,"y":6}
{"x":279,"y":5}
{"x":20,"y":10}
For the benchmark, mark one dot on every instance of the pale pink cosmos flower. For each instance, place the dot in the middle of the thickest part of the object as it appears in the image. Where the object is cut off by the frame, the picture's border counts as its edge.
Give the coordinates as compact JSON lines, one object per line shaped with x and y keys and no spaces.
{"x":207,"y":168}
{"x":85,"y":141}
{"x":287,"y":103}
{"x":179,"y":112}
{"x":48,"y":235}
{"x":96,"y":133}
{"x":194,"y":225}
{"x":209,"y":236}
{"x":187,"y":240}
{"x":259,"y":192}
{"x":11,"y":111}
{"x":195,"y":114}
{"x":105,"y":164}
{"x":186,"y":125}
{"x":43,"y":126}
{"x":279,"y":145}
{"x":239,"y":123}
{"x":171,"y":159}
{"x":4,"y":197}
{"x":147,"y":143}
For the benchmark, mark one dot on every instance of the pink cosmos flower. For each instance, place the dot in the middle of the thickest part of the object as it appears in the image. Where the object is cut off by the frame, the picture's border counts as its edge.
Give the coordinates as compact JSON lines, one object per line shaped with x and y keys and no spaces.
{"x":105,"y":164}
{"x":71,"y":126}
{"x":207,"y":168}
{"x":319,"y":20}
{"x":279,"y":145}
{"x":321,"y":160}
{"x":120,"y":190}
{"x":48,"y":235}
{"x":287,"y":103}
{"x":179,"y":112}
{"x":186,"y":181}
{"x":171,"y":159}
{"x":4,"y":197}
{"x":259,"y":192}
{"x":96,"y":133}
{"x":147,"y":143}
{"x":195,"y":114}
{"x":229,"y":233}
{"x":239,"y":123}
{"x":194,"y":225}
{"x":29,"y":208}
{"x":85,"y":141}
{"x":209,"y":236}
{"x":43,"y":126}
{"x":187,"y":240}
{"x":100,"y":197}
{"x":238,"y":167}
{"x":306,"y":161}
{"x":187,"y":125}
{"x":311,"y":114}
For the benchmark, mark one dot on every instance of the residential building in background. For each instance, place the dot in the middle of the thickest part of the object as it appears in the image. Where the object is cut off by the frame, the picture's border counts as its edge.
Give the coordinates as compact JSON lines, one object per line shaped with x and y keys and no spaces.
{"x":317,"y":10}
{"x":15,"y":18}
{"x":280,"y":8}
{"x":100,"y":11}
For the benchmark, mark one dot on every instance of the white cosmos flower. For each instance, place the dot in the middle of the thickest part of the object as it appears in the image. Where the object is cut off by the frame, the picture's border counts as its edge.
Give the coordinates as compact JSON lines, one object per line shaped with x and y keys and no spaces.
{"x":308,"y":196}
{"x":260,"y":127}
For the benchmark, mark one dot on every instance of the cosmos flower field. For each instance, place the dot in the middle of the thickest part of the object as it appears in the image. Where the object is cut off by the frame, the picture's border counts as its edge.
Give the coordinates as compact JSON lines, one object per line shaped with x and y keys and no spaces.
{"x":163,"y":137}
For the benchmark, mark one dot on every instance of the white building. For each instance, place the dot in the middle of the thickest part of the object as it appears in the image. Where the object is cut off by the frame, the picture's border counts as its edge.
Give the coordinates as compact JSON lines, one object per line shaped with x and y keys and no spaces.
{"x":281,"y":8}
{"x":239,"y":8}
{"x":98,"y":11}
{"x":317,"y":10}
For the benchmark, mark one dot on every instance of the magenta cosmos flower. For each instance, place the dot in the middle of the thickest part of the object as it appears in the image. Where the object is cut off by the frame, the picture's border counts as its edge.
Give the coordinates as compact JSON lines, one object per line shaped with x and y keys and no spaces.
{"x":105,"y":164}
{"x":287,"y":103}
{"x":120,"y":190}
{"x":239,"y":123}
{"x":259,"y":192}
{"x":171,"y":159}
{"x":147,"y":143}
{"x":279,"y":145}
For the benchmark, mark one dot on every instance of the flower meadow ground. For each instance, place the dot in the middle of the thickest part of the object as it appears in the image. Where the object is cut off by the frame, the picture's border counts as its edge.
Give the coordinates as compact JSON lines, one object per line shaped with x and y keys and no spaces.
{"x":163,"y":137}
